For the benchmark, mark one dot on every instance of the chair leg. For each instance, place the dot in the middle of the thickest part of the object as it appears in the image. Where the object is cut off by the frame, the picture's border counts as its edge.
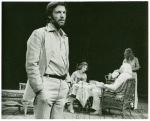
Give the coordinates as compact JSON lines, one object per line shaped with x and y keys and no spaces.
{"x":130,"y":111}
{"x":123,"y":112}
{"x":88,"y":106}
{"x":25,"y":110}
{"x":19,"y":108}
{"x":80,"y":108}
{"x":100,"y":111}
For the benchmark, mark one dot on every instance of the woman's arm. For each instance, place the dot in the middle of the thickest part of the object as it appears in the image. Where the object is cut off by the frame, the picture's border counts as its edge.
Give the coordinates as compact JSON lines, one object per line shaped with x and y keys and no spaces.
{"x":73,"y":78}
{"x":137,"y":66}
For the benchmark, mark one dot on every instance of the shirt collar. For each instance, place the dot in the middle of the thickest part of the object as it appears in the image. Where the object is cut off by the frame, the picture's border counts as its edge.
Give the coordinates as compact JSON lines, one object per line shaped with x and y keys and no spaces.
{"x":51,"y":27}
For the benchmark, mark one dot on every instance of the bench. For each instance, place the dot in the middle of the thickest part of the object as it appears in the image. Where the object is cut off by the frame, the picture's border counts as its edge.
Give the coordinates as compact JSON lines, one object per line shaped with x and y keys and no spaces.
{"x":13,"y":98}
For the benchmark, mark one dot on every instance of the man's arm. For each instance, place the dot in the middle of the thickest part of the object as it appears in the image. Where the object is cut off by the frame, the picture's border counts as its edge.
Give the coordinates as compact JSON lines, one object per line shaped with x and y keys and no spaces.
{"x":32,"y":59}
{"x":115,"y":85}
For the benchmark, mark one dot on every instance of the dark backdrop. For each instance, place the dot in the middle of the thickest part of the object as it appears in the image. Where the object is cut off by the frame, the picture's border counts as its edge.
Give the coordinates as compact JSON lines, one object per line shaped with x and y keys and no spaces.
{"x":99,"y":32}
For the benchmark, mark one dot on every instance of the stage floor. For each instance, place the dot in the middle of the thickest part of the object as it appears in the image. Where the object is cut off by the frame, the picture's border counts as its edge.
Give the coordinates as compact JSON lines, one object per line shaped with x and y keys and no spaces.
{"x":140,"y":113}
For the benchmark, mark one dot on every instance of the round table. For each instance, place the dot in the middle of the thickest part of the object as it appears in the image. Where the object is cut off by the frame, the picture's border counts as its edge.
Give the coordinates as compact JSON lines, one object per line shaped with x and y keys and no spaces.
{"x":82,"y":92}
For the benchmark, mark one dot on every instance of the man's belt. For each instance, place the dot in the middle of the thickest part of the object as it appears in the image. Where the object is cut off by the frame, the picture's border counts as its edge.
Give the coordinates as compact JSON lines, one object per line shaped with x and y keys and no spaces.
{"x":56,"y":76}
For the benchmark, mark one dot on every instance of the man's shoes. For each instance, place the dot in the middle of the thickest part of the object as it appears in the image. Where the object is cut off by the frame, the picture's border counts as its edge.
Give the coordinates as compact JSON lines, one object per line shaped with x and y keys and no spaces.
{"x":94,"y":113}
{"x":91,"y":109}
{"x":70,"y":109}
{"x":133,"y":108}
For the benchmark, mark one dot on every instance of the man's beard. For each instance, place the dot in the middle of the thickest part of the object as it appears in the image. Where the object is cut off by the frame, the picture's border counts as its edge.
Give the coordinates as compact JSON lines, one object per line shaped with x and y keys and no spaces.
{"x":57,"y":24}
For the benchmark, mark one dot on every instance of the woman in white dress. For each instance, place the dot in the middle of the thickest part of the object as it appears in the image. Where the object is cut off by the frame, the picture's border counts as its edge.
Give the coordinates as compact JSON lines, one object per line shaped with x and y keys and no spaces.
{"x":78,"y":76}
{"x":134,"y":62}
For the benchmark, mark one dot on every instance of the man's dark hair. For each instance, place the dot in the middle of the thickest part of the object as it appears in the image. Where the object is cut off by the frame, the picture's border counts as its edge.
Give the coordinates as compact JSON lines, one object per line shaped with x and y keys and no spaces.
{"x":50,"y":7}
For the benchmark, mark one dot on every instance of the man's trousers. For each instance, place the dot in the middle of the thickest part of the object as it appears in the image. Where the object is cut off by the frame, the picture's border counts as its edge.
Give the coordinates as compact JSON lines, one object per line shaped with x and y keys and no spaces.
{"x":49,"y":102}
{"x":96,"y":99}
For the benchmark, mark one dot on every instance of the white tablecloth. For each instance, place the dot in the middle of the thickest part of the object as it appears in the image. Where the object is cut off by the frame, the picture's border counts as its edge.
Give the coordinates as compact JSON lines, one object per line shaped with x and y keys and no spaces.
{"x":82,"y":92}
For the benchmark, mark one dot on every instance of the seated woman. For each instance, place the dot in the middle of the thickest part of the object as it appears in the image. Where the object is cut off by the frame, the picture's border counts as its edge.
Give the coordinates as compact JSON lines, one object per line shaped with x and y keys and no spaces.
{"x":125,"y":73}
{"x":78,"y":76}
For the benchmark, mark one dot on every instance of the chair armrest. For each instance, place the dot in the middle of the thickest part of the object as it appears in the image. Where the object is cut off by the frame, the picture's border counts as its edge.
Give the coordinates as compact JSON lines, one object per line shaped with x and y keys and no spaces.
{"x":106,"y":77}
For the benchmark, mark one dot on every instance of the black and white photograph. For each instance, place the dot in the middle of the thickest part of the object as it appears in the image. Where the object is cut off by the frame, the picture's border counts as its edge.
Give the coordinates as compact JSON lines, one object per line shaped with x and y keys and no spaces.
{"x":74,"y":60}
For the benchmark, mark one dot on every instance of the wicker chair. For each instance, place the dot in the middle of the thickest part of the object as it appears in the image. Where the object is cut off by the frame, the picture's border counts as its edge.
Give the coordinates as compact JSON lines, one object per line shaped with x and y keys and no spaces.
{"x":120,"y":99}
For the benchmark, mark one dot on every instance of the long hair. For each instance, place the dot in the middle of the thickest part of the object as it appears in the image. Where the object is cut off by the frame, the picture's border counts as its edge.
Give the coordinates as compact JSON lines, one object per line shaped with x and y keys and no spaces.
{"x":50,"y":7}
{"x":130,"y":54}
{"x":80,"y":65}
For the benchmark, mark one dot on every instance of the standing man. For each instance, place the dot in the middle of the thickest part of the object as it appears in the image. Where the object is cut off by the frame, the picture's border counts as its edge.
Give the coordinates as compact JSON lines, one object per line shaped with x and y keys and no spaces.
{"x":47,"y":64}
